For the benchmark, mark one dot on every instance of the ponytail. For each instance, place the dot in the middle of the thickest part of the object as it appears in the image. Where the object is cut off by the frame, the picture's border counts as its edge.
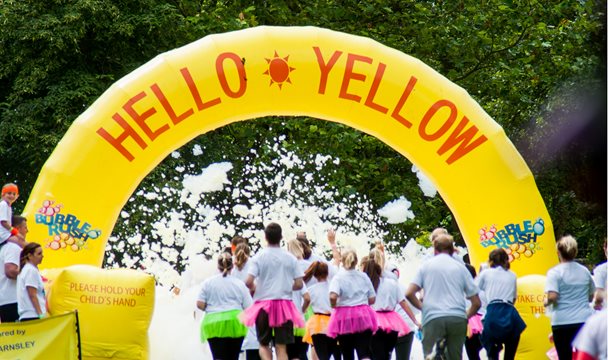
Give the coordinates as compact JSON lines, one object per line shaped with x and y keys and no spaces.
{"x":349,"y":260}
{"x":317,"y":269}
{"x":306,"y":249}
{"x":374,"y":272}
{"x":224,"y":264}
{"x":241,"y":255}
{"x":295,"y":248}
{"x":378,"y":256}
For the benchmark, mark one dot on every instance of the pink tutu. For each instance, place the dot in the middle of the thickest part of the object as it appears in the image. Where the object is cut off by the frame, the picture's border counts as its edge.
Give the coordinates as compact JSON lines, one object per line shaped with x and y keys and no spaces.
{"x":279,"y":312}
{"x":351,"y":320}
{"x":391,"y":321}
{"x":474,"y":326}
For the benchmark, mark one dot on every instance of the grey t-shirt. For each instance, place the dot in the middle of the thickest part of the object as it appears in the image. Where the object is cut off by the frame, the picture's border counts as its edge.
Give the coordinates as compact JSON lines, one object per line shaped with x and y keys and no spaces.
{"x":574,"y":284}
{"x":274,"y":270}
{"x":446,"y":284}
{"x":498,"y":284}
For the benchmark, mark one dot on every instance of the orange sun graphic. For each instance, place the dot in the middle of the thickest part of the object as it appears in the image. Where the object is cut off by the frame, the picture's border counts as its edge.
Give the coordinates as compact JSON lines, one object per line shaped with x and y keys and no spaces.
{"x":278,"y":70}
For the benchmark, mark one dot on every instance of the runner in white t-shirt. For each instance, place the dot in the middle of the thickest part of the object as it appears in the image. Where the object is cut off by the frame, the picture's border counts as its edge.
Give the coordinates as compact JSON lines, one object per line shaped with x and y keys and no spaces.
{"x":301,"y":298}
{"x":388,"y":296}
{"x":403,"y":348}
{"x":502,"y":323}
{"x":316,"y":326}
{"x":223,"y":298}
{"x":276,"y":275}
{"x":309,"y":256}
{"x":241,"y":255}
{"x":353,"y":321}
{"x":446,"y":284}
{"x":569,"y":287}
{"x":31,"y":299}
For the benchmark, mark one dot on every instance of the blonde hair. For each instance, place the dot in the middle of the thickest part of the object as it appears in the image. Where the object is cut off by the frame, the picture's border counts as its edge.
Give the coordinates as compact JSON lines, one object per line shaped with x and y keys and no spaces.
{"x":349,"y":259}
{"x":224,"y":264}
{"x":567,"y":247}
{"x":438,"y":231}
{"x":241,"y":255}
{"x":295,"y":248}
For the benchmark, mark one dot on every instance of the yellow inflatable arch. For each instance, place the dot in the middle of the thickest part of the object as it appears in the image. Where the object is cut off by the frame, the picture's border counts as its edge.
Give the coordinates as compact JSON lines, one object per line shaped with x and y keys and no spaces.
{"x":291,"y":71}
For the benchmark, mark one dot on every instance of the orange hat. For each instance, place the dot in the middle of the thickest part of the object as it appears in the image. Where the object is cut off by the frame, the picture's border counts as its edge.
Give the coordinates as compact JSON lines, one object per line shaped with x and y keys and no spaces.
{"x":10,"y":188}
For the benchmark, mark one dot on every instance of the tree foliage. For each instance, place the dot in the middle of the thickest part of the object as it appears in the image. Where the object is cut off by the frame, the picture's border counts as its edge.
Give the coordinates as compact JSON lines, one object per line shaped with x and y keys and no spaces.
{"x":537,"y":67}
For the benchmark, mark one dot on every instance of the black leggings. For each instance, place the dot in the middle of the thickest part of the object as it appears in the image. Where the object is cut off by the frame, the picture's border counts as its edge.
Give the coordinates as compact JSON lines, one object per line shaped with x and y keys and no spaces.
{"x":383,"y":344}
{"x":325,"y":347}
{"x":252,"y":354}
{"x":473,"y":345}
{"x":562,"y":338}
{"x":297,"y":349}
{"x":359,"y":342}
{"x":225,"y":348}
{"x":510,"y":349}
{"x":403,"y":348}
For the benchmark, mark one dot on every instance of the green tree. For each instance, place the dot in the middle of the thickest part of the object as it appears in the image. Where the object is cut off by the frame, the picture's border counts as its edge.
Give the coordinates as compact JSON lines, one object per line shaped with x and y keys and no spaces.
{"x":532,"y":65}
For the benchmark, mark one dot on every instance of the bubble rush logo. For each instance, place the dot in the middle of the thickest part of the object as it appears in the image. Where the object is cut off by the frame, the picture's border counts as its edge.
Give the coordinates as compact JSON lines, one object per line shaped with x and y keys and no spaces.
{"x":64,"y":230}
{"x":516,"y":239}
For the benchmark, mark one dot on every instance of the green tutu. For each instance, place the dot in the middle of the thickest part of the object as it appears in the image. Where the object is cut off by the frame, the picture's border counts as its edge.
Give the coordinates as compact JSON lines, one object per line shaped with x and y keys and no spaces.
{"x":299,"y":332}
{"x":309,"y":313}
{"x":302,"y":331}
{"x":223,"y":324}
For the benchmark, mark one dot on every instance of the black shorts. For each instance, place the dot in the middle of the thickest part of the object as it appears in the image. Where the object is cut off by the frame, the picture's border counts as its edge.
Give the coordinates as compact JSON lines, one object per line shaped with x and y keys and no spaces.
{"x":266,"y":334}
{"x":9,"y":313}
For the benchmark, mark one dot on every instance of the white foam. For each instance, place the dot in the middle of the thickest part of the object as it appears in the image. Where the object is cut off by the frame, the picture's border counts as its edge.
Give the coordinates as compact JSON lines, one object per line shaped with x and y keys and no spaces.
{"x":424,"y":183}
{"x":287,"y":189}
{"x":397,"y":211}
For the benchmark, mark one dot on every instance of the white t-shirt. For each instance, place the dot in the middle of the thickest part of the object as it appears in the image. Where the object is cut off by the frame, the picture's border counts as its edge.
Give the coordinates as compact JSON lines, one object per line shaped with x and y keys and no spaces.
{"x":446,"y":283}
{"x":319,"y":298}
{"x":387,"y":295}
{"x":29,"y":276}
{"x":593,"y":335}
{"x":599,"y":276}
{"x":224,"y":293}
{"x":498,"y":284}
{"x":9,"y":254}
{"x":243,"y":273}
{"x":275,"y":270}
{"x":298,"y":297}
{"x":574,"y":284}
{"x":402,"y":313}
{"x":251,"y":339}
{"x":353,"y":288}
{"x":331,"y":268}
{"x":6,"y":214}
{"x":386,"y":273}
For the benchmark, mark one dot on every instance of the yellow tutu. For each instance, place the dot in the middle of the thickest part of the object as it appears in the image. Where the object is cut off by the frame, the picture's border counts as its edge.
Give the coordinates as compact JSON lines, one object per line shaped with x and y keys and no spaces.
{"x":317,"y":324}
